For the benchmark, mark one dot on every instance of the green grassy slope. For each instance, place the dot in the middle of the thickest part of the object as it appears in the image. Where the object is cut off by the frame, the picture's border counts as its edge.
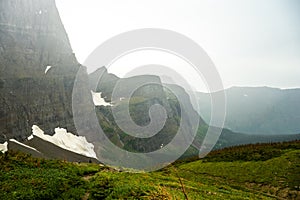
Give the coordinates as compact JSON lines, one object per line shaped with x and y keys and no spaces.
{"x":272,"y":170}
{"x":225,"y":174}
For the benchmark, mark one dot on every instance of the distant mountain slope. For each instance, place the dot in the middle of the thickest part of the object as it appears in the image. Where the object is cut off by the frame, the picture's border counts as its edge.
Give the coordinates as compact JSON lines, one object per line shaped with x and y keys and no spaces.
{"x":139,"y":104}
{"x":229,"y":138}
{"x":149,"y":95}
{"x":259,"y":110}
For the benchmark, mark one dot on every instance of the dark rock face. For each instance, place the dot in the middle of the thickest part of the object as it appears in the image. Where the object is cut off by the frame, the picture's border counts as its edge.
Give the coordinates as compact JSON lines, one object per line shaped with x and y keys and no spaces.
{"x":32,"y":37}
{"x":25,"y":149}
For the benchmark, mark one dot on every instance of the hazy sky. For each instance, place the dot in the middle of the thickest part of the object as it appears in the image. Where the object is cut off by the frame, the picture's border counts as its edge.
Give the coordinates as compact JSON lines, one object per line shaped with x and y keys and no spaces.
{"x":251,"y":42}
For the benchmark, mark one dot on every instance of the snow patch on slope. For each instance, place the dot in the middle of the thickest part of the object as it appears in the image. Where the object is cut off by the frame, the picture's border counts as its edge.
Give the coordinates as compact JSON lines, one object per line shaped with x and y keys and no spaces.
{"x":24,"y":145}
{"x":66,"y":140}
{"x":47,"y":69}
{"x":3,"y":147}
{"x":30,"y":137}
{"x":98,"y":100}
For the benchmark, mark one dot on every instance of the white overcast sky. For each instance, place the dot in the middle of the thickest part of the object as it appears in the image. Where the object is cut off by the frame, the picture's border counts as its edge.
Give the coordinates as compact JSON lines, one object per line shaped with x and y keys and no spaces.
{"x":251,"y":42}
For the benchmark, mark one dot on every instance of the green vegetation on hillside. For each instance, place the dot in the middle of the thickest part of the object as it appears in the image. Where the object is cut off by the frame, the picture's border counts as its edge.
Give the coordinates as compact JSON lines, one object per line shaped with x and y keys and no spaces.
{"x":272,"y":169}
{"x":232,"y":173}
{"x":252,"y":152}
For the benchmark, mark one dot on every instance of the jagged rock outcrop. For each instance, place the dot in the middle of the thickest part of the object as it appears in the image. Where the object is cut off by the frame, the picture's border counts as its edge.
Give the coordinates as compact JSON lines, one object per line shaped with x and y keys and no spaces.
{"x":32,"y":37}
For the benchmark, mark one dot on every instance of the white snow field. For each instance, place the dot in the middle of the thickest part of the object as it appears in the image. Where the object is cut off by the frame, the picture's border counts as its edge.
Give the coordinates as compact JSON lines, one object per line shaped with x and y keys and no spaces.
{"x":98,"y":100}
{"x":66,"y":140}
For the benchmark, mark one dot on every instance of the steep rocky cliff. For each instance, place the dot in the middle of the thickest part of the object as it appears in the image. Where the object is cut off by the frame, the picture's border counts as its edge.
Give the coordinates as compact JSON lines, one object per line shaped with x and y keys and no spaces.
{"x":32,"y":38}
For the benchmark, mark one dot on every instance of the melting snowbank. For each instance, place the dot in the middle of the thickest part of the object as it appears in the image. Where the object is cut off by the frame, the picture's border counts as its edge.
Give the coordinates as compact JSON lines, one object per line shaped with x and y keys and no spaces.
{"x":3,"y":147}
{"x":65,"y":140}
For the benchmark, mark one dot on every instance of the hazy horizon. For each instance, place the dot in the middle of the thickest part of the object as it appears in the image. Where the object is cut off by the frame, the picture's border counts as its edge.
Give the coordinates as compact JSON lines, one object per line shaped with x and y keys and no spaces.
{"x":252,"y":43}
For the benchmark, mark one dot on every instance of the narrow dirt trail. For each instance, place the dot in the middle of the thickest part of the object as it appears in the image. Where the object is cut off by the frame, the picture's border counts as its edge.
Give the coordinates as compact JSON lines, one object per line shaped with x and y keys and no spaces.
{"x":87,"y":178}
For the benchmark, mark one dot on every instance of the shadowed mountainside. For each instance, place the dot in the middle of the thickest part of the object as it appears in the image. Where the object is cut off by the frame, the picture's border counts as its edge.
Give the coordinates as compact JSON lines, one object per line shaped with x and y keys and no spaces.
{"x":32,"y":37}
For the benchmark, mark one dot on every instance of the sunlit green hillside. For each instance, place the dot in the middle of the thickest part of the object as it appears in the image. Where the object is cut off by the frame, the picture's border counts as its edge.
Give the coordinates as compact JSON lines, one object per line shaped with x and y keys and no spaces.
{"x":269,"y":171}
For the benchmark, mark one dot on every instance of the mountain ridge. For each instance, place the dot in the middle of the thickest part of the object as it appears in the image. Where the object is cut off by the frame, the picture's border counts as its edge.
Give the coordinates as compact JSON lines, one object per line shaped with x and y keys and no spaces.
{"x":258,"y":110}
